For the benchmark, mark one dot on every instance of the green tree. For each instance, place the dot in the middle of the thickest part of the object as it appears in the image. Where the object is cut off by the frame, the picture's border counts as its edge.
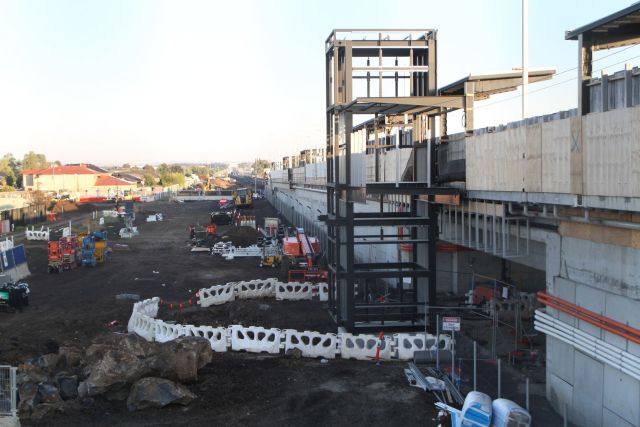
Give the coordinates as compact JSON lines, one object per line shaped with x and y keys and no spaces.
{"x":33,"y":160}
{"x":172,"y":178}
{"x":176,"y":168}
{"x":163,"y":169}
{"x":149,"y":180}
{"x":11,"y":168}
{"x":260,"y":165}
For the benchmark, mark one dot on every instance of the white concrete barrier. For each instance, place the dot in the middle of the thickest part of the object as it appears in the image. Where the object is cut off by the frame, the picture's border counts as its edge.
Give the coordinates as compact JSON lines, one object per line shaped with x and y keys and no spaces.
{"x":166,"y":332}
{"x":112,"y":213}
{"x":144,"y":326}
{"x":294,"y":291}
{"x":364,"y":347}
{"x":323,"y":291}
{"x":34,"y":234}
{"x":312,"y":344}
{"x":6,"y":244}
{"x":216,"y":336}
{"x":256,"y":288}
{"x":407,"y":344}
{"x":255,"y":339}
{"x":216,"y":295}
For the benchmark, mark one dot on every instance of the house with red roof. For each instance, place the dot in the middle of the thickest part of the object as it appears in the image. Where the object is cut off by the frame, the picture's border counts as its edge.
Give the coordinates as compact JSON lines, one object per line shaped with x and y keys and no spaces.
{"x":81,"y":179}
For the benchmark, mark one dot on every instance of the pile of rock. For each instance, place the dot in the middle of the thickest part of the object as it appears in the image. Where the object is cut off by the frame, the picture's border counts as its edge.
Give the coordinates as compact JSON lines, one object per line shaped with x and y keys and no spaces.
{"x":115,"y":367}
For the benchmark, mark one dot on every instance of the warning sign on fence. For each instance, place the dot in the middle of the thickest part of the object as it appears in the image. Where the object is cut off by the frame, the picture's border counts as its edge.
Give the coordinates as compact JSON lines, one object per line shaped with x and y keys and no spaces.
{"x":451,"y":324}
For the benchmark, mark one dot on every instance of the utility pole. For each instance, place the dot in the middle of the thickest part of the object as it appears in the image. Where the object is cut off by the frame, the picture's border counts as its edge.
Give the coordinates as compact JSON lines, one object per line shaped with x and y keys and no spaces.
{"x":525,"y":56}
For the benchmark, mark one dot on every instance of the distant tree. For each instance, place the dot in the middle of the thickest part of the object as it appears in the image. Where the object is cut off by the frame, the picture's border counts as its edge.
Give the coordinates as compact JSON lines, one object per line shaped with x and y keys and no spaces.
{"x":126,"y":166}
{"x":260,"y":165}
{"x":163,"y":169}
{"x":56,"y":163}
{"x":148,"y":168}
{"x":149,"y":180}
{"x":176,"y":168}
{"x":11,"y":168}
{"x":33,"y":160}
{"x":172,"y":178}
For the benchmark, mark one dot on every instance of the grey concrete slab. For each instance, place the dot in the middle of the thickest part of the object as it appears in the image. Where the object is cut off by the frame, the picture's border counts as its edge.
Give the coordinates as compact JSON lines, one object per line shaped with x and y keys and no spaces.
{"x":586,"y":410}
{"x":622,"y":395}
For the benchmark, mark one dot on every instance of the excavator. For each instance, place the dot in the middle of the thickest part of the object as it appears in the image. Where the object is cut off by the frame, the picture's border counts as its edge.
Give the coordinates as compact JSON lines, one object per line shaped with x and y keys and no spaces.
{"x":303,"y":253}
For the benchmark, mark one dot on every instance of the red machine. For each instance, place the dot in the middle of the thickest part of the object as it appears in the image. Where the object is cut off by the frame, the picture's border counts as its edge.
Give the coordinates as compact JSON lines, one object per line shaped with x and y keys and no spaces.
{"x":304,"y":252}
{"x":54,"y":258}
{"x":64,"y":254}
{"x":71,"y":256}
{"x":211,"y":229}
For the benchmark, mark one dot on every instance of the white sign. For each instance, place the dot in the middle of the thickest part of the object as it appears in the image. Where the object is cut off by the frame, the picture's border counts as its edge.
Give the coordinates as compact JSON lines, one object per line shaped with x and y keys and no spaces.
{"x":450,"y":323}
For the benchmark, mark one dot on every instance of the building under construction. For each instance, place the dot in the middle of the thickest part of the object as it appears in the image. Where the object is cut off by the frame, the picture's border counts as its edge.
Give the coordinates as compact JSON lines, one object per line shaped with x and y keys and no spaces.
{"x":543,"y":212}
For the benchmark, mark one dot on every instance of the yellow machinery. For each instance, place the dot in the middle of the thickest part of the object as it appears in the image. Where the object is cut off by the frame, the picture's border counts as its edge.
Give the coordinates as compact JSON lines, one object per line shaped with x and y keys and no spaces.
{"x":243,"y":198}
{"x":272,"y":261}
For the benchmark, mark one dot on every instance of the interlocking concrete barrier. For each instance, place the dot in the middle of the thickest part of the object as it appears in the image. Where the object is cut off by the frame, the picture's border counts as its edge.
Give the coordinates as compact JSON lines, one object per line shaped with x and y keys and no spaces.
{"x":323,"y":291}
{"x":216,"y":336}
{"x":407,"y":344}
{"x":216,"y":295}
{"x":255,"y":339}
{"x":294,"y":291}
{"x":168,"y":332}
{"x":364,"y":347}
{"x":256,"y":288}
{"x":34,"y":234}
{"x":311,"y":344}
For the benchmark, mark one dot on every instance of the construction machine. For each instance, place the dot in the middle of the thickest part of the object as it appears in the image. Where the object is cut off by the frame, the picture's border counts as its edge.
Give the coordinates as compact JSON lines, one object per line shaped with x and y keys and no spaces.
{"x":70,"y":252}
{"x":304,"y":257}
{"x":243,"y":198}
{"x":272,"y":261}
{"x":14,"y":296}
{"x":54,"y":257}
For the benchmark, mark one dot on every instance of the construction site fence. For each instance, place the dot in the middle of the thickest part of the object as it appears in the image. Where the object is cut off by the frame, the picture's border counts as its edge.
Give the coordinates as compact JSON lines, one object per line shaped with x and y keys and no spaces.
{"x":26,"y":215}
{"x":8,"y":392}
{"x":256,"y":339}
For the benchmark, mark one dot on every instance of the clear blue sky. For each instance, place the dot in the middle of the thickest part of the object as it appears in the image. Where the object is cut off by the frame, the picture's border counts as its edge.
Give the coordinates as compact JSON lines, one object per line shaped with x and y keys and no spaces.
{"x":156,"y":81}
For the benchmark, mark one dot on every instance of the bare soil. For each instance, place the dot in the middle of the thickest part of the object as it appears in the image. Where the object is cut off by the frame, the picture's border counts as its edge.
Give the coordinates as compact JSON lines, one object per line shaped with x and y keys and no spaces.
{"x":74,"y":307}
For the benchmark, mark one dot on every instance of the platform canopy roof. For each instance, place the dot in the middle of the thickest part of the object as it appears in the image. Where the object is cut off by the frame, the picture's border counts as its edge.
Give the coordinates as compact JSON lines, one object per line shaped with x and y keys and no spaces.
{"x":618,"y":29}
{"x":486,"y":85}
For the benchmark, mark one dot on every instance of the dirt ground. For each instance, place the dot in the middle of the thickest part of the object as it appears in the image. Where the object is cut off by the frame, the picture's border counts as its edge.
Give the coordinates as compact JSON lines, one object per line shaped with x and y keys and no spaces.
{"x":236,"y":388}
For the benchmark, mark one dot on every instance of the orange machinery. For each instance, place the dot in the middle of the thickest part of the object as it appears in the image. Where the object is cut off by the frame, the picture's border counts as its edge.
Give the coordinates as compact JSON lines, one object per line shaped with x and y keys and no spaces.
{"x":304,"y":253}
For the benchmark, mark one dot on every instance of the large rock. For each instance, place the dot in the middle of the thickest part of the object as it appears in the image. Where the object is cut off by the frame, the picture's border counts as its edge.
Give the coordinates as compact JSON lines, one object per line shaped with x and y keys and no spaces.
{"x":68,"y":387}
{"x":181,"y":358}
{"x":70,"y":357}
{"x":116,"y":361}
{"x":114,"y":371}
{"x":48,"y":393}
{"x":48,"y":362}
{"x":28,"y":393}
{"x":30,"y":373}
{"x":157,"y":393}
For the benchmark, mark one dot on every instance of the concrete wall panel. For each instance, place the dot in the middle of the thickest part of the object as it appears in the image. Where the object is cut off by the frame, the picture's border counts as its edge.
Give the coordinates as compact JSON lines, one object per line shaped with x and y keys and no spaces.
{"x":588,"y":393}
{"x":559,"y":392}
{"x":612,"y":153}
{"x":556,"y":150}
{"x":611,"y":419}
{"x":622,"y":395}
{"x":591,"y":299}
{"x":613,"y":269}
{"x":560,"y":357}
